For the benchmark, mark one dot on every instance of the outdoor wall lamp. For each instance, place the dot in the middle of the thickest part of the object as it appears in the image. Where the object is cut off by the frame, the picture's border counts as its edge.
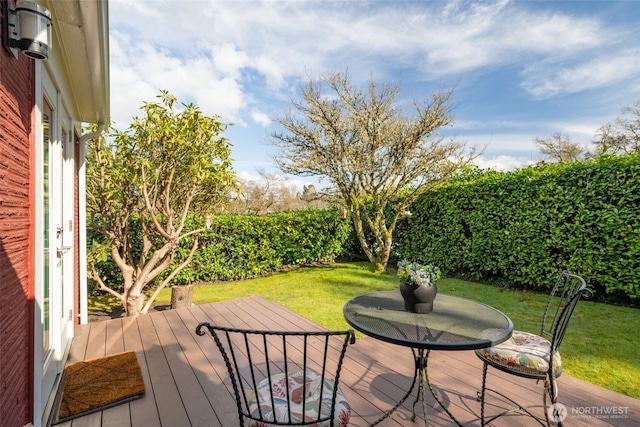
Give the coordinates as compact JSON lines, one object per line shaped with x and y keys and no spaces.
{"x":27,"y":27}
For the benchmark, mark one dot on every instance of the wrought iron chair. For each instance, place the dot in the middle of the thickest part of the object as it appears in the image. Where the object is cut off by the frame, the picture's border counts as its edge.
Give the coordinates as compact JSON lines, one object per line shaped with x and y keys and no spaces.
{"x":536,"y":356}
{"x":285,"y":378}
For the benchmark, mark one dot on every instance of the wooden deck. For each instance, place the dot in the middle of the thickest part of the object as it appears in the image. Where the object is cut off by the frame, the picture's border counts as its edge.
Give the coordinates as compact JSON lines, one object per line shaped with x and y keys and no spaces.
{"x":186,"y":379}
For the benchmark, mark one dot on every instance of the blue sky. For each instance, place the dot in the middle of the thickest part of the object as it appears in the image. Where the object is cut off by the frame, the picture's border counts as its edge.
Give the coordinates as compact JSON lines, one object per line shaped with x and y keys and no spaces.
{"x":521,"y":69}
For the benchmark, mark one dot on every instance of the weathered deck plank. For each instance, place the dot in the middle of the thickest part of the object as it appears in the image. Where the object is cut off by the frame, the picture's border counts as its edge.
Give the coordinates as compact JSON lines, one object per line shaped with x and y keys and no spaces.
{"x":187,"y":383}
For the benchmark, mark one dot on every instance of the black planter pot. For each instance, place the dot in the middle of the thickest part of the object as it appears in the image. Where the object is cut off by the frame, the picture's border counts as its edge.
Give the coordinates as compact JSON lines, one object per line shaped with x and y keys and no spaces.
{"x":418,"y":299}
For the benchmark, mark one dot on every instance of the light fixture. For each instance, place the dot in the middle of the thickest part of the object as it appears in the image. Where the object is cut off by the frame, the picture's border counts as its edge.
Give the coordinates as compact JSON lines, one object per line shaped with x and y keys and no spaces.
{"x":27,"y":27}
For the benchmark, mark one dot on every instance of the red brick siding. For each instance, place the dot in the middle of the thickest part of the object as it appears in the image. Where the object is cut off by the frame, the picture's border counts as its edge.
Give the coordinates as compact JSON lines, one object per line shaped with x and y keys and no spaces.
{"x":16,"y":240}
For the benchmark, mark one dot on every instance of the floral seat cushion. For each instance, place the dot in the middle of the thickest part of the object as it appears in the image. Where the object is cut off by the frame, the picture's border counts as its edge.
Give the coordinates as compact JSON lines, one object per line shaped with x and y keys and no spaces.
{"x":313,"y":401}
{"x":525,"y":353}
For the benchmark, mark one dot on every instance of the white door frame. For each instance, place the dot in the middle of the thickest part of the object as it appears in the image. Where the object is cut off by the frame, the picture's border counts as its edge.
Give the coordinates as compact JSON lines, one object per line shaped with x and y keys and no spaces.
{"x":56,"y":310}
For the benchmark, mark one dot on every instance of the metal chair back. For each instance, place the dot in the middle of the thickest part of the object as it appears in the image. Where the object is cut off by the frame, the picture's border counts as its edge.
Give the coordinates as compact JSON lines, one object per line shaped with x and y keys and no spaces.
{"x":562,"y":302}
{"x":253,"y":356}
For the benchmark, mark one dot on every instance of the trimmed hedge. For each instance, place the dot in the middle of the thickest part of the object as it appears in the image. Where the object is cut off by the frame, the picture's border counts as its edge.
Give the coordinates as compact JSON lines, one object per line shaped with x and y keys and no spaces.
{"x":245,"y":246}
{"x":524,"y":227}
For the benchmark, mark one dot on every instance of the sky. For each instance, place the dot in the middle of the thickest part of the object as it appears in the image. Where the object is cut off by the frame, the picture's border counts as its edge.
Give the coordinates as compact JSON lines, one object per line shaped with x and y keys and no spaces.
{"x":519,"y":69}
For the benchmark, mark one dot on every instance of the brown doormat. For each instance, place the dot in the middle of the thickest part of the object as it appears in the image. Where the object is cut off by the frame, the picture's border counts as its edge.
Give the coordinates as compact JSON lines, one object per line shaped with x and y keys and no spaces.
{"x":96,"y":384}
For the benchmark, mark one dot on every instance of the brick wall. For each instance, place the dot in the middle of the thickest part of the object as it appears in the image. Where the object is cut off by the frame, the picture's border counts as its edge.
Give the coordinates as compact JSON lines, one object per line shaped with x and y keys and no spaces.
{"x":16,"y":240}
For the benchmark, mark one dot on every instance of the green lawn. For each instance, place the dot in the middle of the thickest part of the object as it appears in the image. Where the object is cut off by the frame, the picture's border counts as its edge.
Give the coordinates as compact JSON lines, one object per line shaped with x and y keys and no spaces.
{"x":601,"y":345}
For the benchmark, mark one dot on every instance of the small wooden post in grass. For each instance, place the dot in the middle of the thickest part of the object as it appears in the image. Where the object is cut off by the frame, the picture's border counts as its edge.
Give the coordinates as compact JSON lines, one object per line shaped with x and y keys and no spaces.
{"x":181,"y":296}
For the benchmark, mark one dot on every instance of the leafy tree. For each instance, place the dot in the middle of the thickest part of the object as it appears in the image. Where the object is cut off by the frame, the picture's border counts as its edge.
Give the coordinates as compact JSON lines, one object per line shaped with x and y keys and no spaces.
{"x":622,"y":136}
{"x":171,"y":165}
{"x":376,"y":156}
{"x":560,"y":148}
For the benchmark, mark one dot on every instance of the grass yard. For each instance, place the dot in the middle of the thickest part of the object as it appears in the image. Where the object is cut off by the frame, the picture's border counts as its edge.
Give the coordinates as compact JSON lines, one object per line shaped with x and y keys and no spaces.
{"x":601,"y":345}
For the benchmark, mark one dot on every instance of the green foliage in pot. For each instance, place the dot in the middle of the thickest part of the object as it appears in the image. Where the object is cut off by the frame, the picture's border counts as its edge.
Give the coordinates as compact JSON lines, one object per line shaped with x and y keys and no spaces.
{"x":418,"y":274}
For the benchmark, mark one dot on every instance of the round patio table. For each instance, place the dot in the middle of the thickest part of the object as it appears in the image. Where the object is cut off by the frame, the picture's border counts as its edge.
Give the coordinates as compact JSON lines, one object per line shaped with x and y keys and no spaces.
{"x":454,"y":324}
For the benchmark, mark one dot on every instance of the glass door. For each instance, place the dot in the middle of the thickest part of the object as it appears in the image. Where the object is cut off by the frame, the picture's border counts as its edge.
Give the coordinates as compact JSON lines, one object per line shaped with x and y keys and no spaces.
{"x":47,"y":338}
{"x":55,"y":196}
{"x":64,"y":234}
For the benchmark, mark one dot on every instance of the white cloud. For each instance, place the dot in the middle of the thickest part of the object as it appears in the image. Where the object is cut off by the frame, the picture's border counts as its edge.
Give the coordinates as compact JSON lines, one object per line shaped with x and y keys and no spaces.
{"x":280,"y":39}
{"x":544,"y":80}
{"x":139,"y":71}
{"x":499,"y":34}
{"x":474,"y":125}
{"x":503,"y":162}
{"x":578,"y":131}
{"x":229,"y":60}
{"x":261,"y":118}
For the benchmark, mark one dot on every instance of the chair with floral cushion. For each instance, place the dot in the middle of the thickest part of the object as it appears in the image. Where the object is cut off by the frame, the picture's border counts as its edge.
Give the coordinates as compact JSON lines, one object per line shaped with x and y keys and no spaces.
{"x":285,"y":378}
{"x":536,"y":356}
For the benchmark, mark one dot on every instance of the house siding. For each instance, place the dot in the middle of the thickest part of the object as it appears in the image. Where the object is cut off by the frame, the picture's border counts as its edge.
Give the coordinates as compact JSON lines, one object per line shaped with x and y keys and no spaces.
{"x":17,"y":78}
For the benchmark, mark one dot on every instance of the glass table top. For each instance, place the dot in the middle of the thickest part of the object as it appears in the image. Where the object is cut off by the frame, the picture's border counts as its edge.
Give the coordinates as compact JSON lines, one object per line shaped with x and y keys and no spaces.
{"x":454,"y":324}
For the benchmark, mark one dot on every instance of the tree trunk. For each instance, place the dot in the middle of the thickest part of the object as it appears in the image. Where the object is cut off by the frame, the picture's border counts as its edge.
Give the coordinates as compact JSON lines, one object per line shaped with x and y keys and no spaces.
{"x":135,"y":304}
{"x":380,"y":266}
{"x":378,"y":259}
{"x":181,"y":296}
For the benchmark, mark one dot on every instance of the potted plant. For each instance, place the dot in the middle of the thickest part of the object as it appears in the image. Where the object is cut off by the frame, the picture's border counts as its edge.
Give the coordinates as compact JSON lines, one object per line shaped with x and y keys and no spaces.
{"x":418,"y":285}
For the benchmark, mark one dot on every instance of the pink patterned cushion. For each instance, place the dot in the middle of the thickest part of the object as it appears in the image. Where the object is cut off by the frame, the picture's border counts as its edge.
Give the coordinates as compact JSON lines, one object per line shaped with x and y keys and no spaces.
{"x":524,"y":352}
{"x":314,"y":402}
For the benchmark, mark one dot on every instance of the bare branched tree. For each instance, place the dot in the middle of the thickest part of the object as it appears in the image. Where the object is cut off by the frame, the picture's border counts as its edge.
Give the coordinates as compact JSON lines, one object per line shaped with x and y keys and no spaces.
{"x":560,"y":148}
{"x":374,"y":154}
{"x":271,"y":192}
{"x":622,"y":136}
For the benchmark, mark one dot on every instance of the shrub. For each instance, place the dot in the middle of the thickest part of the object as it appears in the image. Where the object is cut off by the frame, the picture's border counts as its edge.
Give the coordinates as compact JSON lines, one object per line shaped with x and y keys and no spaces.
{"x":244,"y":246}
{"x":524,"y":227}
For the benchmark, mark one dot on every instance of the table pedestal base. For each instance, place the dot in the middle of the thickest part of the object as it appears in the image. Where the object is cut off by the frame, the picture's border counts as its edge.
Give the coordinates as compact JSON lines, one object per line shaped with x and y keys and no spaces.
{"x":421,"y":377}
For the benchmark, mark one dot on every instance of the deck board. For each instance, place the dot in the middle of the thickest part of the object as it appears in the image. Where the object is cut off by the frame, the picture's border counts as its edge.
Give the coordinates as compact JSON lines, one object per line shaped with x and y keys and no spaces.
{"x":187,"y":382}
